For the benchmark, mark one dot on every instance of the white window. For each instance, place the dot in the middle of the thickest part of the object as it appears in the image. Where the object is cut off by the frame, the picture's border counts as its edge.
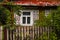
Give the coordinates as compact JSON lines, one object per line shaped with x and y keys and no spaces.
{"x":26,"y":18}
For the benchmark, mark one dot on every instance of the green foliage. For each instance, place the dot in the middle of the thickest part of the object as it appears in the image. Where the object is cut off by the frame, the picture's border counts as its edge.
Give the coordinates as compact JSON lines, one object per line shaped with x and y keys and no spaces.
{"x":52,"y":20}
{"x":56,"y":18}
{"x":4,"y":15}
{"x":43,"y":36}
{"x":44,"y":21}
{"x":56,"y":21}
{"x":53,"y":36}
{"x":41,"y":21}
{"x":16,"y":9}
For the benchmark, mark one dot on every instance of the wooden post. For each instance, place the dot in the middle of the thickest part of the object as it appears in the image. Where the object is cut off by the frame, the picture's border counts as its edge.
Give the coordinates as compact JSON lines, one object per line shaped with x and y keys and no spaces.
{"x":5,"y":33}
{"x":12,"y":22}
{"x":12,"y":18}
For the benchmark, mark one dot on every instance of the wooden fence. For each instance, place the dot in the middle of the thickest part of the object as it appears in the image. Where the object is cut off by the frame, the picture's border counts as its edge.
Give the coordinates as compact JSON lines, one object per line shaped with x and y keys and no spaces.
{"x":28,"y":33}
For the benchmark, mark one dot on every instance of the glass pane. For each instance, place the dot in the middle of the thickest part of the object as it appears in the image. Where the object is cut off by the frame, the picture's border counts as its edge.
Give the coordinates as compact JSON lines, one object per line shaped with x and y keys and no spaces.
{"x":26,"y":13}
{"x":24,"y":20}
{"x":28,"y":20}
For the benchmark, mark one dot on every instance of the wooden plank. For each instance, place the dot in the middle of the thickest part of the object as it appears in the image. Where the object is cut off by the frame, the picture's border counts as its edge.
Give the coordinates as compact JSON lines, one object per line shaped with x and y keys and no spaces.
{"x":5,"y":33}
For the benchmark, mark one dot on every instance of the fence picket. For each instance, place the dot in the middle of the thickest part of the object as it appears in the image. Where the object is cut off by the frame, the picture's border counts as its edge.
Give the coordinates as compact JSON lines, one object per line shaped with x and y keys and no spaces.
{"x":28,"y":33}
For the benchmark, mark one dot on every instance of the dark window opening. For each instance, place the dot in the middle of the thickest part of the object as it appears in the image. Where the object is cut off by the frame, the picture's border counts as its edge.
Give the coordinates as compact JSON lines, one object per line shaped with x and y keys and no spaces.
{"x":28,"y":20}
{"x":24,"y":20}
{"x":26,"y":13}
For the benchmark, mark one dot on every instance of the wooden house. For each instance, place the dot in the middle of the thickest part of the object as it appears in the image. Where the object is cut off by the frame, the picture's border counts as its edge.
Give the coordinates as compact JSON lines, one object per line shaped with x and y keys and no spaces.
{"x":33,"y":10}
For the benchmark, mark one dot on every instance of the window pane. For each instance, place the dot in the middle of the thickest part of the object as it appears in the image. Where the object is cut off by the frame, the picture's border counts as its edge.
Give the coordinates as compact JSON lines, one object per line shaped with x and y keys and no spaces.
{"x":26,"y":13}
{"x":24,"y":20}
{"x":28,"y":20}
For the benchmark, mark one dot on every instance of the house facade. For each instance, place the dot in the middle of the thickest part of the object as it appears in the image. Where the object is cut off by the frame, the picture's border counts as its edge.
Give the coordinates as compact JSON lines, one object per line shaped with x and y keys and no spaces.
{"x":32,"y":10}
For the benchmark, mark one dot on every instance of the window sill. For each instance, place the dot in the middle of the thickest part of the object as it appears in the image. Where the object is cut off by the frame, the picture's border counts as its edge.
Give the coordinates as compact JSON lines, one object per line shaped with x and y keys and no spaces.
{"x":26,"y":24}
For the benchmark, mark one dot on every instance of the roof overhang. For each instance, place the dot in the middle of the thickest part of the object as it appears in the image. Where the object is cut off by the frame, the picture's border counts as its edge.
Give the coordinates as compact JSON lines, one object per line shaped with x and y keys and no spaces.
{"x":37,"y":3}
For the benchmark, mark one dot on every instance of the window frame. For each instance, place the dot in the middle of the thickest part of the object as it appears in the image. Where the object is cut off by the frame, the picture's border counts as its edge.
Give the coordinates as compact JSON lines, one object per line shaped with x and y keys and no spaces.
{"x":31,"y":17}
